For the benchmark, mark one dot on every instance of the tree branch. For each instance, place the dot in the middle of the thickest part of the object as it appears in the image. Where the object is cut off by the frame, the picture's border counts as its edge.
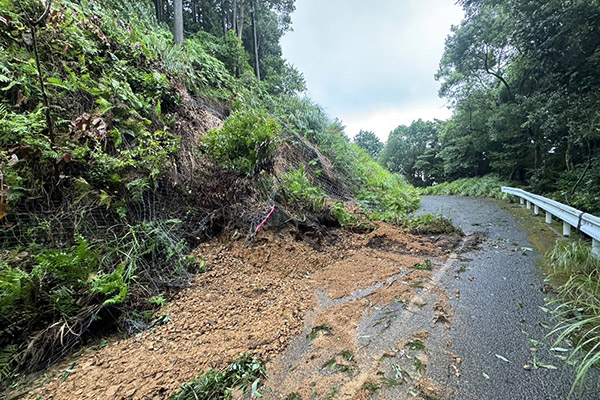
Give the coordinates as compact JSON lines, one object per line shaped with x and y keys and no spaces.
{"x":499,"y":77}
{"x":44,"y":14}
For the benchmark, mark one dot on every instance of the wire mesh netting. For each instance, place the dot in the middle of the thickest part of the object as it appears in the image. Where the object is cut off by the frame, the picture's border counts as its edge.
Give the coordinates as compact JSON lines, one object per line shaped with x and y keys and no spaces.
{"x":211,"y":196}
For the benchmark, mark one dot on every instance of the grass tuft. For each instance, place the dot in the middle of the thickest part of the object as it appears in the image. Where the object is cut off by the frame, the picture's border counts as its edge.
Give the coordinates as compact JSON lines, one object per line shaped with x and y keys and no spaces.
{"x":578,"y":312}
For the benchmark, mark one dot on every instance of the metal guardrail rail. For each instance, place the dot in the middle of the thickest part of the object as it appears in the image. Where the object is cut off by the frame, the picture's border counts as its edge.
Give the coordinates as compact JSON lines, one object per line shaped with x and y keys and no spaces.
{"x":571,"y":217}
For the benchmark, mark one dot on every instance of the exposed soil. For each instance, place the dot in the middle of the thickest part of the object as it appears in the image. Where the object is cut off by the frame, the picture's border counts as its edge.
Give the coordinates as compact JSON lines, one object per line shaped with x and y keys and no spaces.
{"x":264,"y":298}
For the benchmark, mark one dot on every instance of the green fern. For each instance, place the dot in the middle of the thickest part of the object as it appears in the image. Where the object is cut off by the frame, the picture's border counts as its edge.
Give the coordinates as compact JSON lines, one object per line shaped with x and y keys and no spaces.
{"x":9,"y":356}
{"x":112,"y":286}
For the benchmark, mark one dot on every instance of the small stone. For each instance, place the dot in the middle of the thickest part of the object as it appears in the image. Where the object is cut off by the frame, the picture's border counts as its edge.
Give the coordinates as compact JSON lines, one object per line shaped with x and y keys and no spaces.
{"x":527,"y":367}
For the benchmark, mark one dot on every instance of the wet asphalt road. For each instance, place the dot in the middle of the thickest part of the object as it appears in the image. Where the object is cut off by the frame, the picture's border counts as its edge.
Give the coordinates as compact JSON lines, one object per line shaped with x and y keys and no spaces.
{"x":498,"y":315}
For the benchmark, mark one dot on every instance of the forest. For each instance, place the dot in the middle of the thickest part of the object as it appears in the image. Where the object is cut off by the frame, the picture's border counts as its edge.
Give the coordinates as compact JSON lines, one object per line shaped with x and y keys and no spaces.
{"x":523,"y":81}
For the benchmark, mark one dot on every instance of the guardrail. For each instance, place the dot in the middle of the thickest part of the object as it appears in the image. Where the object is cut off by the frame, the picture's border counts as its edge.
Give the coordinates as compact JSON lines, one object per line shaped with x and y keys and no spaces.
{"x":571,"y":217}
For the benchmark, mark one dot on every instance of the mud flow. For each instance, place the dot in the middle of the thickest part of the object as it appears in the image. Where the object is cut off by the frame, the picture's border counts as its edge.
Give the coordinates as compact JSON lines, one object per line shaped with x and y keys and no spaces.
{"x":346,"y":317}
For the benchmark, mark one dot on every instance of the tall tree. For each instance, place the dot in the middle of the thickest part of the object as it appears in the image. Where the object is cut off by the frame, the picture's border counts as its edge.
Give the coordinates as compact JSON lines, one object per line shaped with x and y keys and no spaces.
{"x":368,"y":141}
{"x":178,"y":21}
{"x":407,"y":145}
{"x":255,"y":41}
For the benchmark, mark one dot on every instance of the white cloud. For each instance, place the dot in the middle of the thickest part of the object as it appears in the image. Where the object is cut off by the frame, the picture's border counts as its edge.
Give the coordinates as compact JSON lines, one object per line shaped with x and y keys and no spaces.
{"x":372,"y":63}
{"x":382,"y":122}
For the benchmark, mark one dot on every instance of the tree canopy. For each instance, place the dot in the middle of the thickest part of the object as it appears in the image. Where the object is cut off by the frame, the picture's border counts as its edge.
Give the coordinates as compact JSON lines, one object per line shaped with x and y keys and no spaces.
{"x":523,"y":79}
{"x":368,"y":141}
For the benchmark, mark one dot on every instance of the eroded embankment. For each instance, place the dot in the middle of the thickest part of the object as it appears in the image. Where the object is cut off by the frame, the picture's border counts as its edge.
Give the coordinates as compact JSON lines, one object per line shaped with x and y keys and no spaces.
{"x":265,"y":298}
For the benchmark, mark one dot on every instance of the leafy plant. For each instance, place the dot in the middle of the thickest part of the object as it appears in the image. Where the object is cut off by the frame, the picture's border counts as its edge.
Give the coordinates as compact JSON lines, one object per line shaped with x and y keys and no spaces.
{"x":419,"y":365}
{"x":426,"y":266}
{"x":245,"y":143}
{"x":297,"y":184}
{"x":343,"y":217}
{"x":371,"y":387}
{"x":158,"y":300}
{"x":429,"y":224}
{"x":76,"y":264}
{"x":314,"y":332}
{"x":578,"y":310}
{"x":243,"y":374}
{"x":342,"y":362}
{"x":415,"y":344}
{"x":112,"y":286}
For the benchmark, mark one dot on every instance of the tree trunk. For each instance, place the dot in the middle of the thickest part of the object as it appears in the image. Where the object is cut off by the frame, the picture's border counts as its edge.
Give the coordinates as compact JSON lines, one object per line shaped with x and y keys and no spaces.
{"x":256,"y":61}
{"x":157,"y":7}
{"x":33,"y":25}
{"x":241,"y":21}
{"x":234,"y":17}
{"x":568,"y":162}
{"x":224,"y":17}
{"x":195,"y":11}
{"x":178,"y":21}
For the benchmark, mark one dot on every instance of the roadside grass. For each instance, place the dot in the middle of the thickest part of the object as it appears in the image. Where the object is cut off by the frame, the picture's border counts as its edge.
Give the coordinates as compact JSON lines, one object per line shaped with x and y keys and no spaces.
{"x":578,"y":310}
{"x":574,"y":273}
{"x":485,"y":186}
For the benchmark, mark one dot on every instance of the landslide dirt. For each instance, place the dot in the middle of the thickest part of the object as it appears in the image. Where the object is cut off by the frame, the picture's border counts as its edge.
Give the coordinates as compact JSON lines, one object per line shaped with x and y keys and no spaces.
{"x":264,"y":298}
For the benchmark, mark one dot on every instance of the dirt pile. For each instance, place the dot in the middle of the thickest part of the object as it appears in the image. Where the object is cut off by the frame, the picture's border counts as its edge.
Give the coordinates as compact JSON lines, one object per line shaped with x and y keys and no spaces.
{"x":264,"y":298}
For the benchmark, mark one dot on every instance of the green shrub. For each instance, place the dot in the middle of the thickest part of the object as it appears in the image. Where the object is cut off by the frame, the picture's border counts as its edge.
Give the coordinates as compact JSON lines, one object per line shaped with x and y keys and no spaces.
{"x":384,"y":196}
{"x":486,"y":186}
{"x":245,"y":143}
{"x":112,"y":286}
{"x":298,"y":186}
{"x":343,"y":217}
{"x":13,"y":286}
{"x":429,"y":224}
{"x":76,"y":264}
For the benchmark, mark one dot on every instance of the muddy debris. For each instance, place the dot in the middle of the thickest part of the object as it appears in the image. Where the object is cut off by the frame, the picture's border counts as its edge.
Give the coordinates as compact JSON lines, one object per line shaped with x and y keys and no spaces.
{"x":262,"y":298}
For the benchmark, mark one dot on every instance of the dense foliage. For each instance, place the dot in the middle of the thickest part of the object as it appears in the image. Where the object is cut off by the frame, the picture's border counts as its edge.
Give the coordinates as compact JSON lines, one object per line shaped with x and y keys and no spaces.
{"x":523,"y":79}
{"x":106,"y":166}
{"x":486,"y":186}
{"x":369,"y":142}
{"x":245,"y":143}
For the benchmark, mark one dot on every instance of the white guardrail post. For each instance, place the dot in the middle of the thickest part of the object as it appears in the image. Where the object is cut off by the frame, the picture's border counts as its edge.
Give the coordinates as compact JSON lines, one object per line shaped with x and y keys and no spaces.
{"x":571,"y":217}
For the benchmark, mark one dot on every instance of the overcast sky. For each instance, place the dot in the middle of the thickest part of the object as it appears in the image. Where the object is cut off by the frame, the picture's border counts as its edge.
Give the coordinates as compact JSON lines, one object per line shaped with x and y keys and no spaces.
{"x":371,"y":63}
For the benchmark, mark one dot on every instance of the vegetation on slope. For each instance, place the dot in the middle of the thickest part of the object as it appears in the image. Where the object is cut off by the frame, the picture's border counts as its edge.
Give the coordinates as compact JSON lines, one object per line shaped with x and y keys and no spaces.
{"x":486,"y":186}
{"x":108,"y":176}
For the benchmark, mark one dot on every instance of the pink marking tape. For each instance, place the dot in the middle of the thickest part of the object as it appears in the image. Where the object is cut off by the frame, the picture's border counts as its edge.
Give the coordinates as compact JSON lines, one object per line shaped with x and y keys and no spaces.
{"x":265,"y":221}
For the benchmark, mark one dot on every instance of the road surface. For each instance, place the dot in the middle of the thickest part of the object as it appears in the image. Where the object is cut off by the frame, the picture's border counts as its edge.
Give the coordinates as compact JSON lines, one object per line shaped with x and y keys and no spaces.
{"x":499,"y":313}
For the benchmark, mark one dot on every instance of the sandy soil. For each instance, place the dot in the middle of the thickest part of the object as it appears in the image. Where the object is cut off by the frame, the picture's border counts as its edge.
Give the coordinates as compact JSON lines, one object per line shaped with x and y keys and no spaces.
{"x":259,"y":298}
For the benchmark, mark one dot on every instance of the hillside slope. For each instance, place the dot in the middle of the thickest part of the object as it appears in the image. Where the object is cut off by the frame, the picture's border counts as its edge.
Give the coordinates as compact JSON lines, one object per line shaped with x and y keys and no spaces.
{"x":120,"y":152}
